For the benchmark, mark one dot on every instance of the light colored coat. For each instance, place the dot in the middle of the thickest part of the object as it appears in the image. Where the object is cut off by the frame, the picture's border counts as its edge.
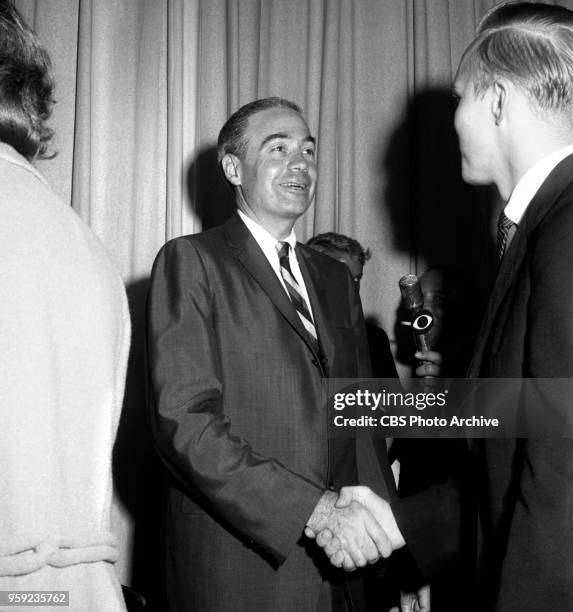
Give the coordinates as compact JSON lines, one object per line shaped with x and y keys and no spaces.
{"x":64,"y":337}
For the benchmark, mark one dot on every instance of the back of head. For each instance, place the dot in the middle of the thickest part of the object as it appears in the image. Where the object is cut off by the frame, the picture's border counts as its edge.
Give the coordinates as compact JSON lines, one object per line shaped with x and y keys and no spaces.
{"x":26,"y":86}
{"x":332,"y":242}
{"x":530,"y":45}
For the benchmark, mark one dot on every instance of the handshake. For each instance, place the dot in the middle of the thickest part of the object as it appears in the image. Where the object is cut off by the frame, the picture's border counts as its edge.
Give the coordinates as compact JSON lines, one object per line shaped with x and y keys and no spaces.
{"x":354,"y":528}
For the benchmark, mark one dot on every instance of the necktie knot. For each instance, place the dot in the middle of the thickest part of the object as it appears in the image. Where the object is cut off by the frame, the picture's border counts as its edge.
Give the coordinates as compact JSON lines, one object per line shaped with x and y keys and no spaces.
{"x":505,"y":230}
{"x":283,"y":250}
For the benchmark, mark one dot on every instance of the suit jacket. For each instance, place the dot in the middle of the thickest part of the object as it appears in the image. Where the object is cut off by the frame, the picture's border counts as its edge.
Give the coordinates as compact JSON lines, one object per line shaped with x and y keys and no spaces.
{"x":526,"y":488}
{"x":240,"y":419}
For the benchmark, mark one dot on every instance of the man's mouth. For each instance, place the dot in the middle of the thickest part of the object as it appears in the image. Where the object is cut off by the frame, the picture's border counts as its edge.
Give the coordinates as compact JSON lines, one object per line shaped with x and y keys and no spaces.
{"x":295,"y":186}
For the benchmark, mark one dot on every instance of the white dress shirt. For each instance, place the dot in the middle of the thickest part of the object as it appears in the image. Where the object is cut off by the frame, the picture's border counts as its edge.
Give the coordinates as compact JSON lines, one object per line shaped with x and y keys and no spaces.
{"x":268,"y":244}
{"x":530,"y":183}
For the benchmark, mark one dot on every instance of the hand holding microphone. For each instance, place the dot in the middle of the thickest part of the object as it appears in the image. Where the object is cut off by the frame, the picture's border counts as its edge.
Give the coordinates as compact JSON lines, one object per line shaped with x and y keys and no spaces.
{"x":421,"y":321}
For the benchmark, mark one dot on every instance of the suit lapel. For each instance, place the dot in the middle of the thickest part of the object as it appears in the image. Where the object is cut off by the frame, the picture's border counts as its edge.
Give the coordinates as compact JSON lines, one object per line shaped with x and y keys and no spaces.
{"x":254,"y":261}
{"x":539,"y":206}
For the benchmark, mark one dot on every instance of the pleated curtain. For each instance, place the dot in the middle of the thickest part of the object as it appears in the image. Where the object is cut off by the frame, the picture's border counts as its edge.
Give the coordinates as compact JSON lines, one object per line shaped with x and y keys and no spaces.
{"x":143,"y":87}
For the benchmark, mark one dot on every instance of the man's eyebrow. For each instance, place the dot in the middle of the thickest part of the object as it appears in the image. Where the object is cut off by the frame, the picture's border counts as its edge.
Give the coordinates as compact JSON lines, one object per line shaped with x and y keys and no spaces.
{"x":270,"y":137}
{"x":283,"y":135}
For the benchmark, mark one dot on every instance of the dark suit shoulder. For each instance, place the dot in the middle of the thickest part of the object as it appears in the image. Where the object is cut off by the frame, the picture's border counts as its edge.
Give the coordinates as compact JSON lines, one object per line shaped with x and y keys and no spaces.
{"x":212,"y":236}
{"x":552,"y":237}
{"x":561,"y":212}
{"x":210,"y":244}
{"x":552,"y":200}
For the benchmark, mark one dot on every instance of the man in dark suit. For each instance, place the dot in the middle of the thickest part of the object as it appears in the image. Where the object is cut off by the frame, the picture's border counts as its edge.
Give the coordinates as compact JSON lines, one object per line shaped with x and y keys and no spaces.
{"x":243,"y":325}
{"x":515,"y":126}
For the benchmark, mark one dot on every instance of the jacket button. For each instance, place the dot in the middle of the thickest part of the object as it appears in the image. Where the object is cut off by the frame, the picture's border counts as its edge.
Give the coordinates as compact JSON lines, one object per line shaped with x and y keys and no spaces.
{"x":315,"y":363}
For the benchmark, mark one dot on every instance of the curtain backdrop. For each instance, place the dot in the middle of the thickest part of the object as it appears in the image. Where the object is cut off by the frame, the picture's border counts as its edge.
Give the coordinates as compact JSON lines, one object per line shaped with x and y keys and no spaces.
{"x":143,"y":86}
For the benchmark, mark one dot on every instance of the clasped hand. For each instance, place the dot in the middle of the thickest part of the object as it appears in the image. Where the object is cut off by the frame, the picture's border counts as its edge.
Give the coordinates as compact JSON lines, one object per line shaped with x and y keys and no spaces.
{"x":355,"y":528}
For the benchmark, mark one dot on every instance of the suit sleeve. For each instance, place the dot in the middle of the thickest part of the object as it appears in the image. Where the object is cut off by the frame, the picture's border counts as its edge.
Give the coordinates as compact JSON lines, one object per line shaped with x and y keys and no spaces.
{"x":539,"y":553}
{"x":257,"y":495}
{"x":430,"y":522}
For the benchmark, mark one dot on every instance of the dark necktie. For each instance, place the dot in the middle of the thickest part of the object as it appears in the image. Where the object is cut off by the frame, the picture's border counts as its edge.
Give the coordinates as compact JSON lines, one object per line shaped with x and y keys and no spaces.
{"x":505,"y":231}
{"x":295,"y":292}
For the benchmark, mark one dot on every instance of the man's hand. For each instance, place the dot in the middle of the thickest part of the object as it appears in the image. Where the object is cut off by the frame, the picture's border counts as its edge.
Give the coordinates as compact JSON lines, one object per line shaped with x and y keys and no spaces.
{"x":349,"y":534}
{"x":378,"y":507}
{"x":415,"y":602}
{"x":431,"y":364}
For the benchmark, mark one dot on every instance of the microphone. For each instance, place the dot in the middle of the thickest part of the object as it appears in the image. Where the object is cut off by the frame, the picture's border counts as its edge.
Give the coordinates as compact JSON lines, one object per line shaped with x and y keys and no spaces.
{"x":421,"y":319}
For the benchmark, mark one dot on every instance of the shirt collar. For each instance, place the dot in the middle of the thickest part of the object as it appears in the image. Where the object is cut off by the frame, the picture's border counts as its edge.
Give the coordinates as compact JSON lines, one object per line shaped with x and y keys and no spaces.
{"x":530,"y":183}
{"x":265,"y":240}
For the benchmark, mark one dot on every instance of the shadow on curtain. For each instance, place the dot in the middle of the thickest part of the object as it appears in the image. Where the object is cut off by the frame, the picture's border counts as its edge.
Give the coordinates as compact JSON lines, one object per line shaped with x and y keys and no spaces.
{"x":210,"y":198}
{"x":137,"y":470}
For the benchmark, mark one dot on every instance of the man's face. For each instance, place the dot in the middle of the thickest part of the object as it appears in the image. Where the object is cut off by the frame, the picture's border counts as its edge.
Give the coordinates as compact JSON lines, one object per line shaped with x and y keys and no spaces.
{"x":475,"y":126}
{"x":278,"y":173}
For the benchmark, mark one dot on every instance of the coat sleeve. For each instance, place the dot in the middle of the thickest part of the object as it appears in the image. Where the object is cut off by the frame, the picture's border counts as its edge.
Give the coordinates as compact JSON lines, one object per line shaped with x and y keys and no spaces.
{"x":257,"y":495}
{"x":431,"y":524}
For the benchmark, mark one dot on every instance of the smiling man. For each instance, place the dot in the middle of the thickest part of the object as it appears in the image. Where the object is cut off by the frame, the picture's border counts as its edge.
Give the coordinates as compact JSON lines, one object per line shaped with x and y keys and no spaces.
{"x":243,"y":325}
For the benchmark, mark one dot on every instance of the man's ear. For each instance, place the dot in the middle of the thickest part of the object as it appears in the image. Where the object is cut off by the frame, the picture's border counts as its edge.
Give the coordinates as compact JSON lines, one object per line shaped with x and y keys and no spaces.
{"x":499,"y":101}
{"x":232,"y":168}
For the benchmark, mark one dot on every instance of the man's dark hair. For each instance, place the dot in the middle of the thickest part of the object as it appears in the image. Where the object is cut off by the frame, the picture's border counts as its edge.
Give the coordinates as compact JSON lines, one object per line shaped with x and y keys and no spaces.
{"x":330,"y":241}
{"x":26,"y":86}
{"x":232,"y":134}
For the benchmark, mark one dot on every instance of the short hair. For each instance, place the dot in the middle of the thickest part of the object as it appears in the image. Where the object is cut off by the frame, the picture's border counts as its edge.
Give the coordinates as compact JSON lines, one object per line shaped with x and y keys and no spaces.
{"x":232,"y":135}
{"x":330,"y":241}
{"x":529,"y":44}
{"x":26,"y":86}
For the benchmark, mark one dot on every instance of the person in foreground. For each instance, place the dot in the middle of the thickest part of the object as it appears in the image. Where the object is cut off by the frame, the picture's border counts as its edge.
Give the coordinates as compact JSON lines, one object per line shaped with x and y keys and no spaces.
{"x":243,"y":325}
{"x":515,"y":126}
{"x":64,"y":329}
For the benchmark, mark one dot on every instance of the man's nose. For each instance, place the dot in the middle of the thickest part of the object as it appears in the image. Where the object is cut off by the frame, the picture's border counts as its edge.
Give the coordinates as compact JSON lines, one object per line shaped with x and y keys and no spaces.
{"x":298,"y":162}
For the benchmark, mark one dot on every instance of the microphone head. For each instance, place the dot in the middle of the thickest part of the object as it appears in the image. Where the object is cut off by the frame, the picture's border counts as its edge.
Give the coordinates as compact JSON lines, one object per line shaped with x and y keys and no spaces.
{"x":411,"y":291}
